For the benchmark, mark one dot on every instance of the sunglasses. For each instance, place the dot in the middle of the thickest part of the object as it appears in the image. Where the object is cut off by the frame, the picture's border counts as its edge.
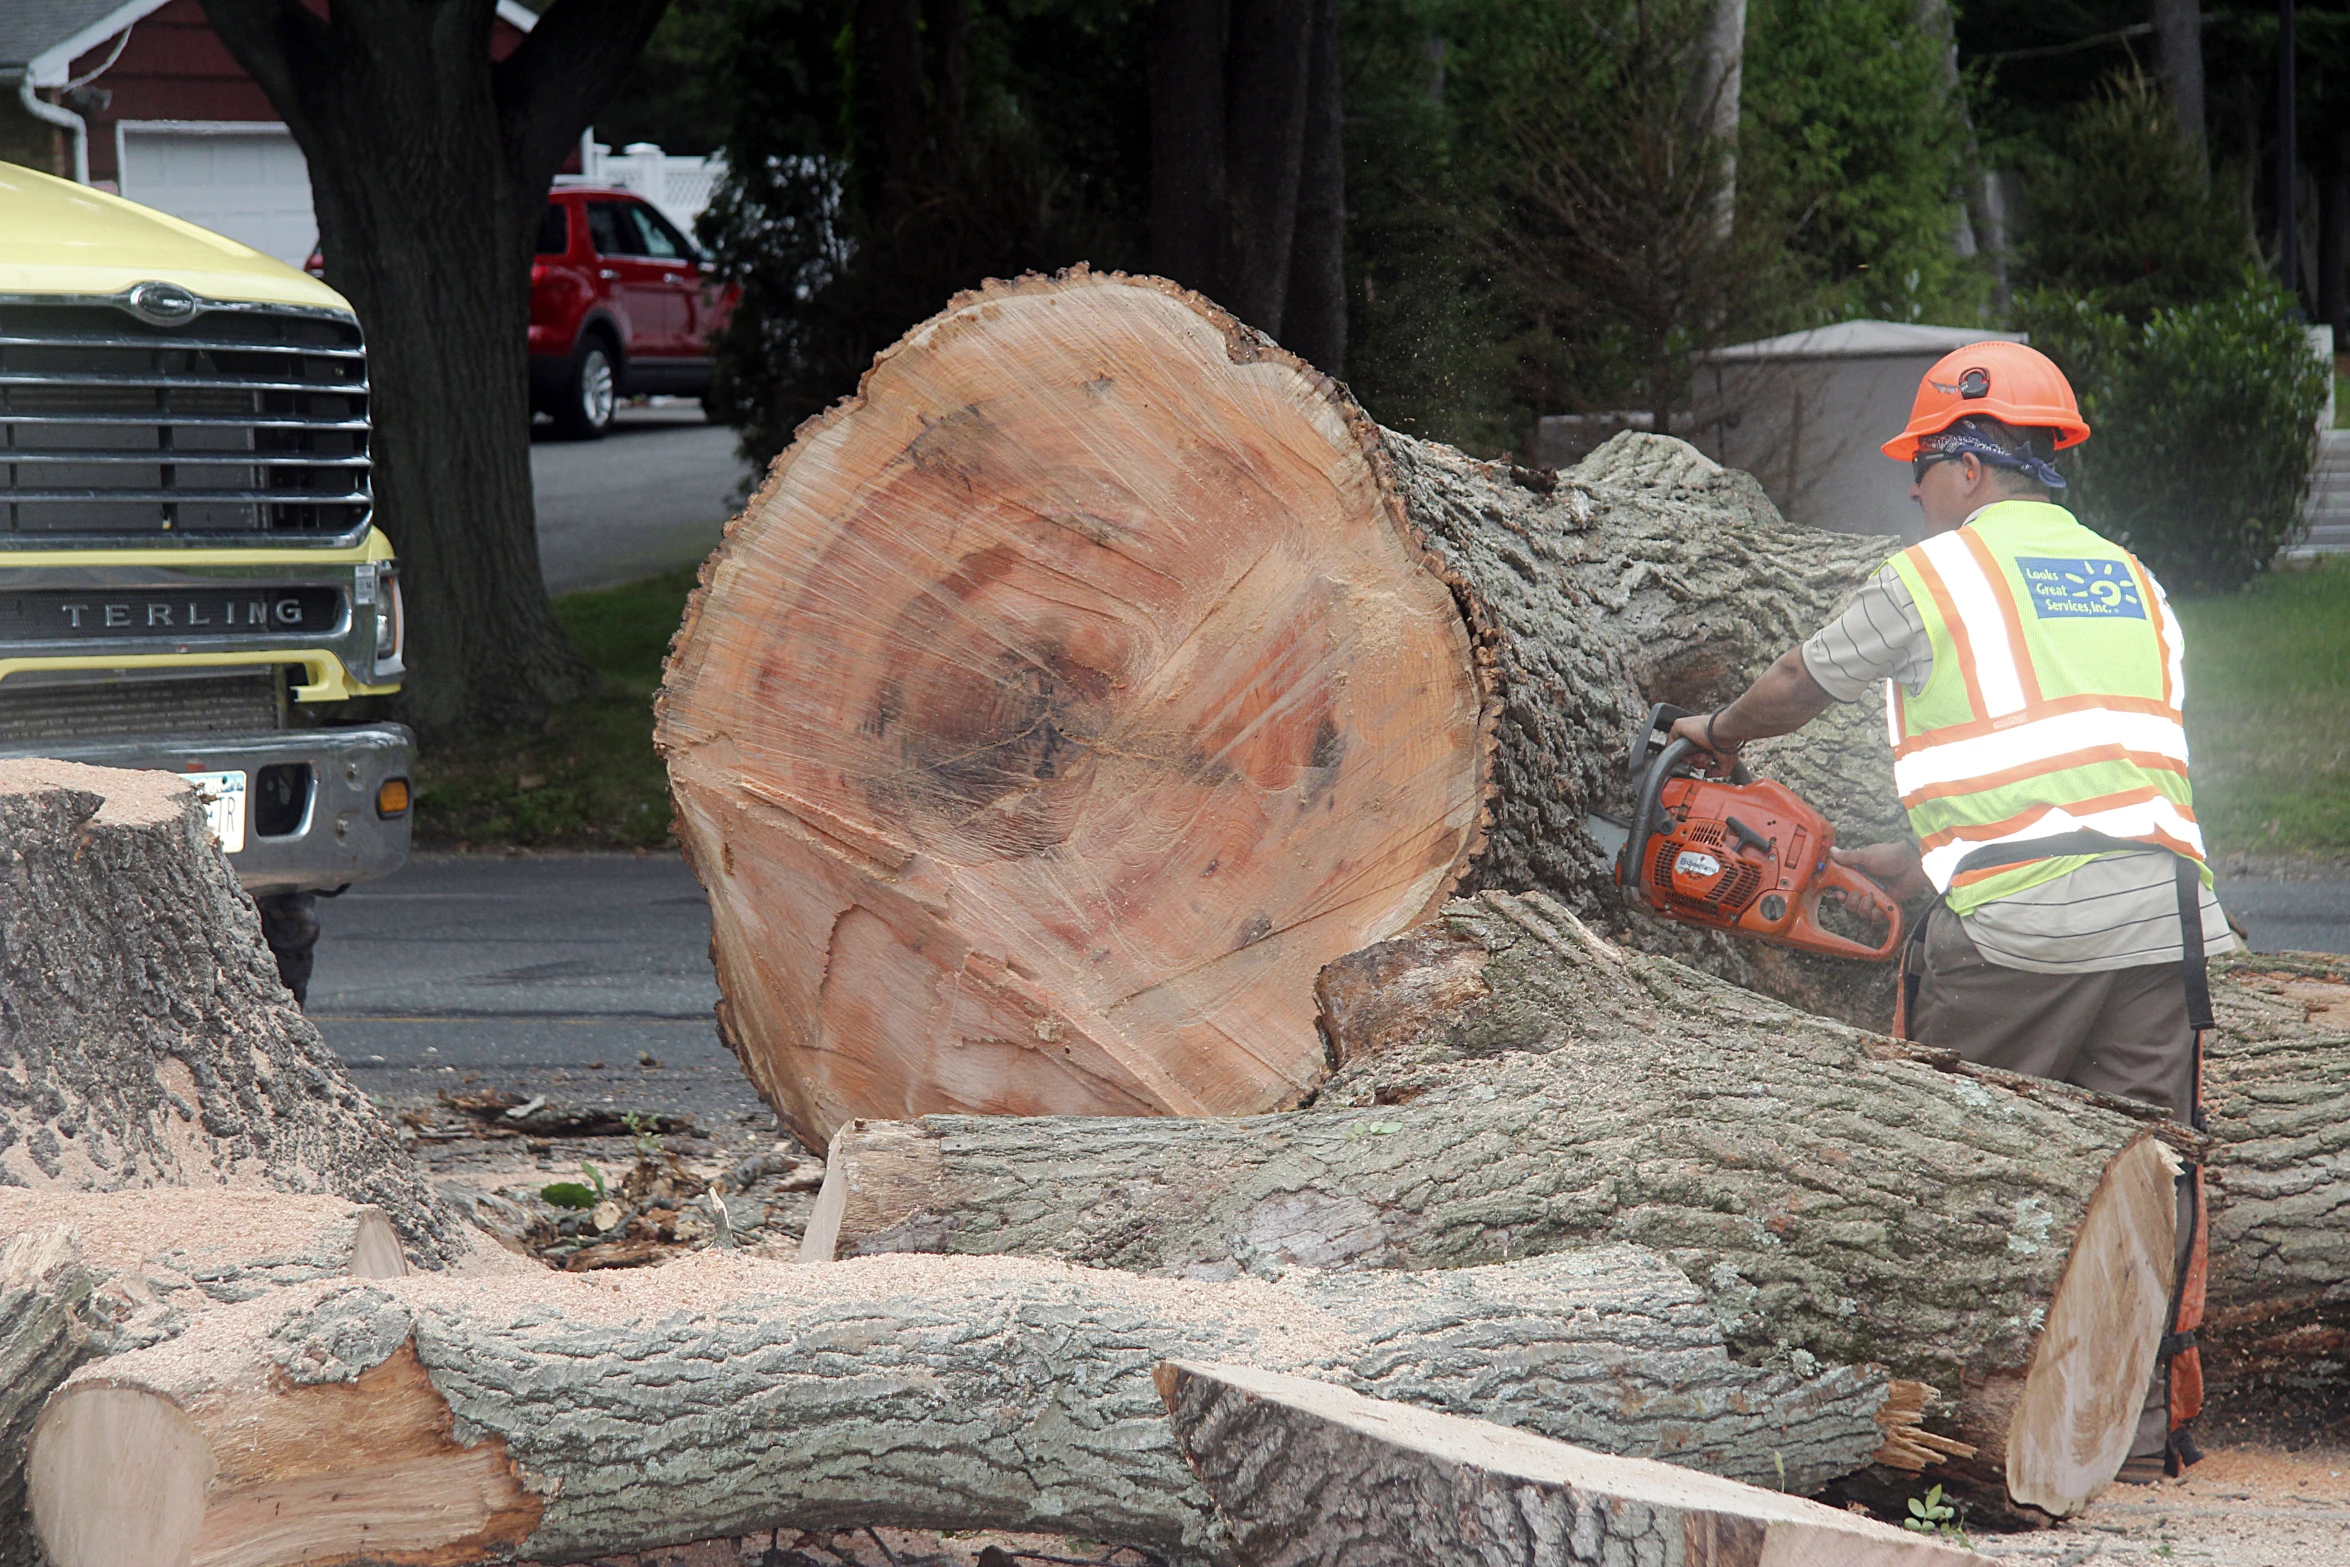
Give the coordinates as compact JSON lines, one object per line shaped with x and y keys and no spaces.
{"x":1924,"y":460}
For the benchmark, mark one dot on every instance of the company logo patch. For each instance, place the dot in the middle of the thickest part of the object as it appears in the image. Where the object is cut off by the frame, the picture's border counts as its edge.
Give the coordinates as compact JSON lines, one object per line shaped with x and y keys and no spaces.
{"x":1696,"y":864}
{"x":2077,"y":589}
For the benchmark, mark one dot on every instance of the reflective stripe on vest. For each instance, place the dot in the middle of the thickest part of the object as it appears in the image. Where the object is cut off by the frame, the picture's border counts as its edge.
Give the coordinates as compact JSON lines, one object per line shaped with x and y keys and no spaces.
{"x":2055,"y":705}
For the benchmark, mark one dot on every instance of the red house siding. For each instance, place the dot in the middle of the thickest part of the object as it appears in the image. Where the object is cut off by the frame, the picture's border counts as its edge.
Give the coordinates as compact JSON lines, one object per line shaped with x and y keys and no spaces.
{"x":174,"y":67}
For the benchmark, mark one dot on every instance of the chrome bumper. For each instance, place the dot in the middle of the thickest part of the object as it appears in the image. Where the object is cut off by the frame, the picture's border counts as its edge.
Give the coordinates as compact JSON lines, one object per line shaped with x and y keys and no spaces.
{"x":339,"y":840}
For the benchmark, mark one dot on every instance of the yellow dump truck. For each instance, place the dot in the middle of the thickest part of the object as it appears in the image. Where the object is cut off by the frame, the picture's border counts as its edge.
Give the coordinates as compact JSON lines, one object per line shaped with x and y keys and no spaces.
{"x":190,"y":574}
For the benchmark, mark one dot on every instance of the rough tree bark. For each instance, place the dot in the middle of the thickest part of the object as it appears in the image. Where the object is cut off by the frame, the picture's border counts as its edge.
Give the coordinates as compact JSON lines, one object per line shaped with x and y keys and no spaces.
{"x":441,"y":1419}
{"x":1509,"y":1083}
{"x":145,"y":1039}
{"x":429,"y":168}
{"x":2277,"y":1090}
{"x":1309,"y":1475}
{"x":1071,"y":695}
{"x":90,"y":1273}
{"x":2178,"y":33}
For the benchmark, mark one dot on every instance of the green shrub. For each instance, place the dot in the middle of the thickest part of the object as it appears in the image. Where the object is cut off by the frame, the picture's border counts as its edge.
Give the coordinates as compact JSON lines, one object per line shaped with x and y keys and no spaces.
{"x":2204,"y":427}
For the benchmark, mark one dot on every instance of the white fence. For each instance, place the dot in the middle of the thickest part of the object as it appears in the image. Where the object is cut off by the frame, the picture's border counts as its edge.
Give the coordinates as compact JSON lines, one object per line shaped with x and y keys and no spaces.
{"x":680,"y":187}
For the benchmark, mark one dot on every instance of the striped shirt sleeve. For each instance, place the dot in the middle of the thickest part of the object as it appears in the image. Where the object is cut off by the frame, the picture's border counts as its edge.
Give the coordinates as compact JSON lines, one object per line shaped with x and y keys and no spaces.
{"x":1879,"y":636}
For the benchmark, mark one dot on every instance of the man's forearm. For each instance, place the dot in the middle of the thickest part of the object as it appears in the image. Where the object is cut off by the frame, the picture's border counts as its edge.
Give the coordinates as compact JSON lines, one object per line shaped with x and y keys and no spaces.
{"x":1781,"y":702}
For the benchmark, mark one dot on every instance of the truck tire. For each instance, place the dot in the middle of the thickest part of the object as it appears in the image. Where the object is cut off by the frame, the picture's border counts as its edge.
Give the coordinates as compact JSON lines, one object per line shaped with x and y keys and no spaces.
{"x":591,"y":392}
{"x":289,"y":923}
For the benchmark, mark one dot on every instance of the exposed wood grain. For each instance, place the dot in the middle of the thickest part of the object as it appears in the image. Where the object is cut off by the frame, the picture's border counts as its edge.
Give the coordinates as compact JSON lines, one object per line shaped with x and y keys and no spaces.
{"x":1058,"y":707}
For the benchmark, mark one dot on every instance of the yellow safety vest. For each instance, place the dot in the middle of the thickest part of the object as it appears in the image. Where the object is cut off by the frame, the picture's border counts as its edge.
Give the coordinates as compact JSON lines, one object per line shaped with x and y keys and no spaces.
{"x":2055,"y":705}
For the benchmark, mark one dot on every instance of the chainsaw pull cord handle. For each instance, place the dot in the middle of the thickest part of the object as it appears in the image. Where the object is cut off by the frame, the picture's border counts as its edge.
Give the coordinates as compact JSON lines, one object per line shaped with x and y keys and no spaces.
{"x":1652,"y":788}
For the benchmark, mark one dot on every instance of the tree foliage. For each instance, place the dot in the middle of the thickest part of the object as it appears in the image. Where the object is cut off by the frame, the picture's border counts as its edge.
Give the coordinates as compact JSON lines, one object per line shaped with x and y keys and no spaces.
{"x":2131,"y":218}
{"x":1528,"y":201}
{"x":2204,"y":426}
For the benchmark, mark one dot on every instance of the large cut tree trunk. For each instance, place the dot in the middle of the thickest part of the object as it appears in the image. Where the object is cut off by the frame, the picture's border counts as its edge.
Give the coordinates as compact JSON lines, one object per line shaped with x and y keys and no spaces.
{"x":558,"y":1417}
{"x":1069,"y":697}
{"x":1309,"y":1475}
{"x":1510,"y":1083}
{"x":145,"y":1039}
{"x":85,"y":1273}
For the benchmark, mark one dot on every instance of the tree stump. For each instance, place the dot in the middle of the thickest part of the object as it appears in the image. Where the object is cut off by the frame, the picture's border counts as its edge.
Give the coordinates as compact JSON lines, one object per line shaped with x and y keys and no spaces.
{"x":145,"y":1039}
{"x":557,"y":1417}
{"x":1508,"y":1082}
{"x":1068,"y":697}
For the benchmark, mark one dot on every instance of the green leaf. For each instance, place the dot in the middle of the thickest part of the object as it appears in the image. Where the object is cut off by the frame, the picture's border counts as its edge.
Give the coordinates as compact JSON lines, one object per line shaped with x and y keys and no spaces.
{"x":570,"y":1194}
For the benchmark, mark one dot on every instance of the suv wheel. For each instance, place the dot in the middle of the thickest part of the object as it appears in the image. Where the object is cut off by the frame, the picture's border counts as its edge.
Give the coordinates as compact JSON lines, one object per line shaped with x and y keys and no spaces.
{"x":590,"y":393}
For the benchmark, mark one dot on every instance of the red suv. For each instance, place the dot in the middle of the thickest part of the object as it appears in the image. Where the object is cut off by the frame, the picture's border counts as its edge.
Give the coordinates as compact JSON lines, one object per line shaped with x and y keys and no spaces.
{"x":620,"y":303}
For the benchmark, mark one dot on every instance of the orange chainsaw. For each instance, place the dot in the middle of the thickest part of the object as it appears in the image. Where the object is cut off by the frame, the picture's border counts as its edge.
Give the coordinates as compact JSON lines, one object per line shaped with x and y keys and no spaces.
{"x":1743,"y":855}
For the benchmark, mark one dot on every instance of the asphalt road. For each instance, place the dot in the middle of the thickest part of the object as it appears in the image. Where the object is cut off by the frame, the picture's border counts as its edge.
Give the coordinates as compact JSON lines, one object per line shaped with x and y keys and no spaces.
{"x":652,"y":494}
{"x":555,"y":974}
{"x":558,"y":973}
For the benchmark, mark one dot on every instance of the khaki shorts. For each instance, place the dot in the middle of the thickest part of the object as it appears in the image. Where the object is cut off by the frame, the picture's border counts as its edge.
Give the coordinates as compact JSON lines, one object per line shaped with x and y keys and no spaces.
{"x":2119,"y":1031}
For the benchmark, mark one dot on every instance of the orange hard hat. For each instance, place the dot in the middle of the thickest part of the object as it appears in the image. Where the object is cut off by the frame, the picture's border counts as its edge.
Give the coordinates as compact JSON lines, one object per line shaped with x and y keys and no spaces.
{"x":2010,"y":382}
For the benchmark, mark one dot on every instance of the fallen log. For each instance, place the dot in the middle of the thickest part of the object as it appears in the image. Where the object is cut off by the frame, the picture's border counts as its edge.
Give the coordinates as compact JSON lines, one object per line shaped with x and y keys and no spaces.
{"x":93,"y":1273}
{"x":1066,"y":699}
{"x":145,"y":1038}
{"x":555,"y":1418}
{"x":1305,"y":1474}
{"x":2277,"y":1091}
{"x":1510,"y":1083}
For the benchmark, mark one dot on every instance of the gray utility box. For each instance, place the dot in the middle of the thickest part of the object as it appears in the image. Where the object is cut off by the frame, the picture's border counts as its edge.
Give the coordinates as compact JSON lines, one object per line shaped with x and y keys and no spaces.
{"x":1806,"y":413}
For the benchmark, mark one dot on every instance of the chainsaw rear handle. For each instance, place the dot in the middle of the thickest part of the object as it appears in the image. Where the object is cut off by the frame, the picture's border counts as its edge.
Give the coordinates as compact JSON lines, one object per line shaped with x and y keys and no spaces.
{"x":1857,"y":889}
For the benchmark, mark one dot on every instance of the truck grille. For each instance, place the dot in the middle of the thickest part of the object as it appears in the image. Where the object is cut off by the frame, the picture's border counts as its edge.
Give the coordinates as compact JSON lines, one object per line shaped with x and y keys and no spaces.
{"x":245,"y":420}
{"x":244,"y":702}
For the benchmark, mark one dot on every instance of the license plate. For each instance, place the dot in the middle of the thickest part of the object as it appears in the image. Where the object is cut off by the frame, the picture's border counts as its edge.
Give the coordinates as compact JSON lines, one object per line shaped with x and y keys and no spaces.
{"x":224,"y":806}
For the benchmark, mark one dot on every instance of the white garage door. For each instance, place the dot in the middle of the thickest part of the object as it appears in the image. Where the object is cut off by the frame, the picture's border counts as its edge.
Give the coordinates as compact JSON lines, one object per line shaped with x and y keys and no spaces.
{"x":246,"y":181}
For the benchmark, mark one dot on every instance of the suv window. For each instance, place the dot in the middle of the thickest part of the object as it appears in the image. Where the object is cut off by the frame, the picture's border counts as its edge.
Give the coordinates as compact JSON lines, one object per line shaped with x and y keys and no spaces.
{"x":555,"y":230}
{"x":660,"y":239}
{"x":609,"y":230}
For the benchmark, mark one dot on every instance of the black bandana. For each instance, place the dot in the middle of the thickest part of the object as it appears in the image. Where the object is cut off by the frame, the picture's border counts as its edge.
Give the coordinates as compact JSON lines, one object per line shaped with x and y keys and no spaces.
{"x":1991,"y":452}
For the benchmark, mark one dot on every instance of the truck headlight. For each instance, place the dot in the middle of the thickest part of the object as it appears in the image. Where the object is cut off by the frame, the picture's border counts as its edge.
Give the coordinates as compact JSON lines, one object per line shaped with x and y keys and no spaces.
{"x":391,"y":622}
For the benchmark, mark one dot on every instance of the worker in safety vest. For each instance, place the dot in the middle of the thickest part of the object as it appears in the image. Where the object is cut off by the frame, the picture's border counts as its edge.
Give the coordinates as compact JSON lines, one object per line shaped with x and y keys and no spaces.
{"x":2033,"y":690}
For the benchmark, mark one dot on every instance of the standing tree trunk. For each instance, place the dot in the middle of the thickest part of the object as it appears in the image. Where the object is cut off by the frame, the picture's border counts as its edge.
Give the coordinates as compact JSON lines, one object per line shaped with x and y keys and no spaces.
{"x":1187,"y":141}
{"x":2178,"y":34}
{"x":2333,"y":233}
{"x":554,"y":1418}
{"x":1714,"y":88}
{"x":429,"y":168}
{"x":1069,"y":698}
{"x":1509,"y":1083}
{"x":1313,"y":321}
{"x":1247,"y":167}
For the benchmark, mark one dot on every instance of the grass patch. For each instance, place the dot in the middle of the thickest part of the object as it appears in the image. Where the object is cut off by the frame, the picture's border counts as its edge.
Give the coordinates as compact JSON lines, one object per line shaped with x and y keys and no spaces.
{"x":2268,"y":713}
{"x":588,"y":779}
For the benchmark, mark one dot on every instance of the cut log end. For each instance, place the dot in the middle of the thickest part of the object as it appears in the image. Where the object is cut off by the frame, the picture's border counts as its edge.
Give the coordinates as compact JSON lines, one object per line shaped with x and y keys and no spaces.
{"x":2095,"y":1357}
{"x":1058,"y":708}
{"x":118,"y":1475}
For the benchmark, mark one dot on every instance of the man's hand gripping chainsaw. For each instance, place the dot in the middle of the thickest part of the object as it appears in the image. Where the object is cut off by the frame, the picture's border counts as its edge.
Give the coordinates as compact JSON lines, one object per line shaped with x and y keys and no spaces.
{"x":1742,"y":854}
